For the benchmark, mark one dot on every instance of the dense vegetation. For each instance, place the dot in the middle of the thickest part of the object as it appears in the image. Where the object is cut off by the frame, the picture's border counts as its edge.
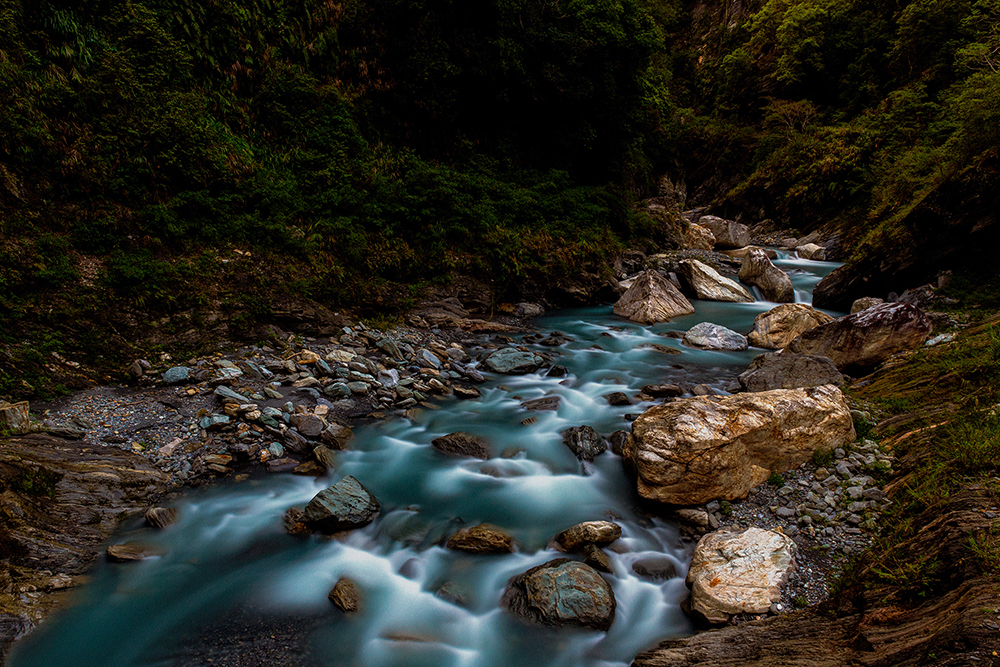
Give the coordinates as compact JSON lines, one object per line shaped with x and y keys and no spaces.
{"x":157,"y":155}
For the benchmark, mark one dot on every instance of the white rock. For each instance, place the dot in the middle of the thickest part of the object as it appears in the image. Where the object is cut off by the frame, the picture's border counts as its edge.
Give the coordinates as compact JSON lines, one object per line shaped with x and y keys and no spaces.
{"x":706,"y":283}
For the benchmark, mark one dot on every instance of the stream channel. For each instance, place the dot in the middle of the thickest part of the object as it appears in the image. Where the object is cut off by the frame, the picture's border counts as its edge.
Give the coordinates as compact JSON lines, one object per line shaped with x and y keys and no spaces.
{"x":423,"y":604}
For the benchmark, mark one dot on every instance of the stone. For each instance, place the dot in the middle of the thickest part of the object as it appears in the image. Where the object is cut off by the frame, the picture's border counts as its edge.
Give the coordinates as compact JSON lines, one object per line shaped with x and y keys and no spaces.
{"x":160,"y":517}
{"x":655,"y":568}
{"x":125,"y":553}
{"x":864,"y":303}
{"x":308,"y":424}
{"x":697,"y":518}
{"x":706,"y":283}
{"x":344,"y":506}
{"x":811,"y":251}
{"x":584,"y":442}
{"x":779,"y":326}
{"x":741,"y":253}
{"x":228,"y":395}
{"x":859,"y":342}
{"x":562,"y":593}
{"x":652,"y":298}
{"x":176,"y":375}
{"x":482,"y":539}
{"x":694,"y":450}
{"x":511,"y":361}
{"x":214,"y":422}
{"x":528,"y":310}
{"x":662,"y":390}
{"x":600,"y":533}
{"x":462,"y":444}
{"x":461,"y":391}
{"x":728,"y":233}
{"x":543,"y":404}
{"x":15,"y":418}
{"x":617,"y":398}
{"x":773,"y":283}
{"x":699,"y":237}
{"x":787,"y":370}
{"x":739,"y":572}
{"x":345,"y":596}
{"x":336,"y":436}
{"x":597,"y":559}
{"x":708,"y":336}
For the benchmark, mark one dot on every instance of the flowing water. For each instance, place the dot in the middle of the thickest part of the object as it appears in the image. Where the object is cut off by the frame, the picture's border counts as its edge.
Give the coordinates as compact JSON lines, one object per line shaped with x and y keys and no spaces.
{"x":424,"y":604}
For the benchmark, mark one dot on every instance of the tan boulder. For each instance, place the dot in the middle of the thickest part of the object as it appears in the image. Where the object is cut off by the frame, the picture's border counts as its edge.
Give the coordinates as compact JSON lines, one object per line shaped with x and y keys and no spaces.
{"x":741,"y":253}
{"x":600,"y":533}
{"x":859,"y":342}
{"x":695,"y":450}
{"x":864,"y":303}
{"x":707,"y":284}
{"x":728,"y":234}
{"x":481,"y":539}
{"x":811,"y":251}
{"x":699,"y":237}
{"x":779,"y":326}
{"x":739,"y":572}
{"x":652,"y":298}
{"x":14,"y":418}
{"x":773,"y":283}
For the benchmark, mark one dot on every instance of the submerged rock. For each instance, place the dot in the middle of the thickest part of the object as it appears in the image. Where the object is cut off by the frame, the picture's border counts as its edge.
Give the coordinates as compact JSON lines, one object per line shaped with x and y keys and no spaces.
{"x":859,"y":342}
{"x":691,"y":451}
{"x":482,"y":539}
{"x":708,"y":336}
{"x":706,"y":283}
{"x":738,"y":572}
{"x":562,"y":593}
{"x":584,"y":442}
{"x":462,"y":444}
{"x":788,"y":370}
{"x":779,"y":326}
{"x":652,"y":298}
{"x":773,"y":283}
{"x":344,"y":506}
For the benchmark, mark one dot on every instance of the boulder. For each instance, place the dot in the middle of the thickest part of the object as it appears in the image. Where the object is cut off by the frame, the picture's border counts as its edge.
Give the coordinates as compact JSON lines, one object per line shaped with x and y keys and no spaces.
{"x":741,"y":253}
{"x":562,"y":593}
{"x":695,"y":450}
{"x":176,"y":375}
{"x":597,"y":559}
{"x":160,"y":517}
{"x":859,"y":342}
{"x":787,"y":370}
{"x":600,"y":533}
{"x":738,"y":572}
{"x":773,"y":283}
{"x":344,"y":506}
{"x":706,"y":283}
{"x":779,"y":326}
{"x":512,"y":361}
{"x":652,"y":298}
{"x":482,"y":539}
{"x":811,"y":251}
{"x":345,"y":596}
{"x":864,"y":303}
{"x":728,"y":233}
{"x":14,"y":418}
{"x":528,"y":310}
{"x":708,"y":336}
{"x":699,"y":237}
{"x":584,"y":441}
{"x":462,"y":444}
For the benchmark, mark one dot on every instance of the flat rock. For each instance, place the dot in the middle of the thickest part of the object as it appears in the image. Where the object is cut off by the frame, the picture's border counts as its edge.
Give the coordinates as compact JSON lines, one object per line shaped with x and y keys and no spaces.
{"x":695,"y":450}
{"x":706,"y":283}
{"x":600,"y":533}
{"x":462,"y":444}
{"x":344,"y":506}
{"x":736,"y":572}
{"x":482,"y":539}
{"x":652,"y":298}
{"x":708,"y":336}
{"x":779,"y":326}
{"x":543,"y":404}
{"x":125,"y":553}
{"x":562,"y":593}
{"x":788,"y":370}
{"x":655,"y":568}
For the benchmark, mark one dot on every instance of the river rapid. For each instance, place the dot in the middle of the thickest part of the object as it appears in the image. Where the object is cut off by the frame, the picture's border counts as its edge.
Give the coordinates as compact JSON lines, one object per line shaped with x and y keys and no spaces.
{"x":423,"y":604}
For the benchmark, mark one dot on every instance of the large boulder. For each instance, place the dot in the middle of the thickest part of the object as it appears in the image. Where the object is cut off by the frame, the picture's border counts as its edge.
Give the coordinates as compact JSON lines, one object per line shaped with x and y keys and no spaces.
{"x":773,"y":283}
{"x":787,"y":370}
{"x":652,"y":298}
{"x":779,"y":326}
{"x":344,"y":506}
{"x":739,"y":572}
{"x":699,"y":238}
{"x":811,"y":251}
{"x":708,"y":336}
{"x":512,"y":361}
{"x":728,"y":234}
{"x":561,"y":593}
{"x":695,"y":450}
{"x":706,"y":283}
{"x":857,"y":343}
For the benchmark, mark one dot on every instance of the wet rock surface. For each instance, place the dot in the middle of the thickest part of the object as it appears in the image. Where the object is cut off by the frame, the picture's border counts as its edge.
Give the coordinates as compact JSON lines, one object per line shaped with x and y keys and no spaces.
{"x":561,"y":593}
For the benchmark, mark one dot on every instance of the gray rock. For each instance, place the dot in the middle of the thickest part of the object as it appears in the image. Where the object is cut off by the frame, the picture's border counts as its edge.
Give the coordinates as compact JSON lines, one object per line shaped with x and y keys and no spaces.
{"x":710,"y":336}
{"x":544,"y":403}
{"x":462,"y":444}
{"x":617,"y":398}
{"x":656,"y":568}
{"x":584,"y":442}
{"x":773,"y":283}
{"x":176,"y":375}
{"x":308,"y":425}
{"x":706,"y":283}
{"x":600,"y":533}
{"x":344,"y":506}
{"x":561,"y":593}
{"x":652,"y":298}
{"x":511,"y":361}
{"x":728,"y":234}
{"x":528,"y":310}
{"x":787,"y":370}
{"x":227,"y":394}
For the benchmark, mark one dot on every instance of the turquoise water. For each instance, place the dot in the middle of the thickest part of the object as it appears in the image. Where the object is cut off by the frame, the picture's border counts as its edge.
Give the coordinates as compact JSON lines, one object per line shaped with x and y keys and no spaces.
{"x":228,"y":548}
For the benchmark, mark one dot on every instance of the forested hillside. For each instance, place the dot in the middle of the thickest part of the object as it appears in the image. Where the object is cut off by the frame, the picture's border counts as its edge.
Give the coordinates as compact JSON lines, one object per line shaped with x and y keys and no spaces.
{"x":160,"y":156}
